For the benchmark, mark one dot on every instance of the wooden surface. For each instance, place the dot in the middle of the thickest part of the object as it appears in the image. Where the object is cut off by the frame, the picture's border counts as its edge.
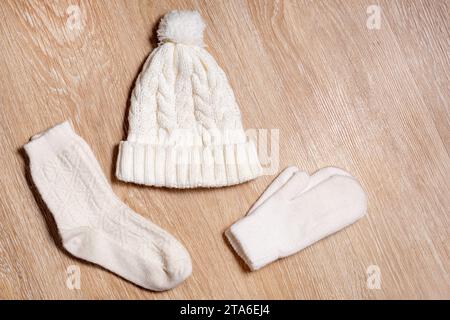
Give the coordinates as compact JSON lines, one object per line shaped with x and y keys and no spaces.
{"x":372,"y":101}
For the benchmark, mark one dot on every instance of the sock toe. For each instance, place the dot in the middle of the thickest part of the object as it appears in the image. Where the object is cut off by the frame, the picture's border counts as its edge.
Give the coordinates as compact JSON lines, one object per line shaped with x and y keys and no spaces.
{"x":178,"y":261}
{"x":177,"y":266}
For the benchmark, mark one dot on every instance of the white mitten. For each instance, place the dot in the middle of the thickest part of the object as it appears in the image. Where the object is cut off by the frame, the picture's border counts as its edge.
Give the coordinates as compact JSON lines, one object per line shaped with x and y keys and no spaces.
{"x":295,"y":211}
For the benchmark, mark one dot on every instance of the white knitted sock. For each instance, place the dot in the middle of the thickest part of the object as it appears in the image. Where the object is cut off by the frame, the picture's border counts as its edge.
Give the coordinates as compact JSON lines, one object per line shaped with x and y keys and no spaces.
{"x":295,"y":211}
{"x":93,"y":223}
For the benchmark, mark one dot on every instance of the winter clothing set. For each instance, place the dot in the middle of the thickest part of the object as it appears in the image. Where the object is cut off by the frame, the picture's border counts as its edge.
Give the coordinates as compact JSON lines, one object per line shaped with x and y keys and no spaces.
{"x":185,"y":131}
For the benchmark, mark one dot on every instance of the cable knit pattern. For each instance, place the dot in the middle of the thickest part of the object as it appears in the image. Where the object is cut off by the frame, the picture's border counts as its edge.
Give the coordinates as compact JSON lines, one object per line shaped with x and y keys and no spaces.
{"x":142,"y":117}
{"x":183,"y":88}
{"x":185,"y":127}
{"x":93,"y":223}
{"x":165,"y":95}
{"x":202,"y":93}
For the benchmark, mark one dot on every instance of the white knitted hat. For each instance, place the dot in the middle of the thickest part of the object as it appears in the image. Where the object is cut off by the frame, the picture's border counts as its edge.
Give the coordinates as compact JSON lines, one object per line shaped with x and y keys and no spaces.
{"x":185,"y":128}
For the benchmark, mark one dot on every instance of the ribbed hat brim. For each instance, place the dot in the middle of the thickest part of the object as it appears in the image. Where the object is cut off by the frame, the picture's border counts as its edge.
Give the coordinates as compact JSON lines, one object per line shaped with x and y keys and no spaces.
{"x":187,"y":167}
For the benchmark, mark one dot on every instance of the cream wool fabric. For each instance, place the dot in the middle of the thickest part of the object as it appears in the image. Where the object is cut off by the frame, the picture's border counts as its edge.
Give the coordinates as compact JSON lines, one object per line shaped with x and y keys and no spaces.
{"x":295,"y":211}
{"x":185,"y":127}
{"x":93,"y":223}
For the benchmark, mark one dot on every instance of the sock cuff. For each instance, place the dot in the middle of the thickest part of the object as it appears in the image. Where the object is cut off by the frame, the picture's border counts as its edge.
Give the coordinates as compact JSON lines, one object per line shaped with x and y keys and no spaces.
{"x":48,"y":144}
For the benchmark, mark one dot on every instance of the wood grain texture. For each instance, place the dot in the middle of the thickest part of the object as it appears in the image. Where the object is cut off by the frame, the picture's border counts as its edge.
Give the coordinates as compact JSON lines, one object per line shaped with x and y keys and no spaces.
{"x":375,"y":102}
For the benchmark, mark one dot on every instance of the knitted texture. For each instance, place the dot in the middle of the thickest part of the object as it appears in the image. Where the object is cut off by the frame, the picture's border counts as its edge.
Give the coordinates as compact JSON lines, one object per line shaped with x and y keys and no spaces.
{"x":185,"y":127}
{"x":93,"y":223}
{"x":294,"y":212}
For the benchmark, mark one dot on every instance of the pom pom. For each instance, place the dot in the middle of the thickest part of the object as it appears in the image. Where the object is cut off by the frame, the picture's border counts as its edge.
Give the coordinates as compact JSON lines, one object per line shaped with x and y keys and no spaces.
{"x":184,"y":27}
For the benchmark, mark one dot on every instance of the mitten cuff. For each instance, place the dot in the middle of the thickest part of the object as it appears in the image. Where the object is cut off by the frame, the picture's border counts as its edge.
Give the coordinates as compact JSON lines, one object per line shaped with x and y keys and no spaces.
{"x":253,"y":240}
